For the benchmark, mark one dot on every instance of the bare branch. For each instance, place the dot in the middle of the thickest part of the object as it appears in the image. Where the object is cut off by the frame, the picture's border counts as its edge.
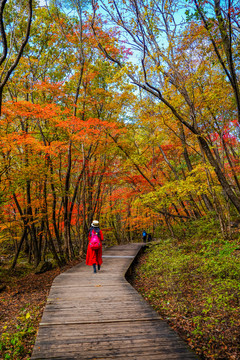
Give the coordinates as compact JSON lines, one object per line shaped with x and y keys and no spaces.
{"x":3,"y":34}
{"x":20,"y":52}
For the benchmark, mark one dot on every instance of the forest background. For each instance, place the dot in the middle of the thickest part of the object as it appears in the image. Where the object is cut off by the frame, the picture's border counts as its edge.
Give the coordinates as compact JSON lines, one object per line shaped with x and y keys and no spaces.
{"x":127,"y":112}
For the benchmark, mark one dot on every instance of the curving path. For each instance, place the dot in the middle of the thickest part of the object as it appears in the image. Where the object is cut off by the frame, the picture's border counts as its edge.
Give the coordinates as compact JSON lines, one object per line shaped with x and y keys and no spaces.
{"x":101,"y":316}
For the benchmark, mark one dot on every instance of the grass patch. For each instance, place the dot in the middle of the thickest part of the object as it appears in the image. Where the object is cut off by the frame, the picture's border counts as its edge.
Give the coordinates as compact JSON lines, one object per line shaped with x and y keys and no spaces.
{"x":194,"y":285}
{"x":19,"y":335}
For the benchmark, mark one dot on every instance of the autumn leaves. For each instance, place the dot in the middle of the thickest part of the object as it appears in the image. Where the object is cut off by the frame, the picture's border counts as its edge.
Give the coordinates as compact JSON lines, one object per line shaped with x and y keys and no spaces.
{"x":79,"y":141}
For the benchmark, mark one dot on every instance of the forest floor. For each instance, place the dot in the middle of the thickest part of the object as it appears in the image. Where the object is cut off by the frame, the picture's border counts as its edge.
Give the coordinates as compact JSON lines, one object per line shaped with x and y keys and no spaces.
{"x":195,"y":288}
{"x":21,"y":306}
{"x":193,"y":285}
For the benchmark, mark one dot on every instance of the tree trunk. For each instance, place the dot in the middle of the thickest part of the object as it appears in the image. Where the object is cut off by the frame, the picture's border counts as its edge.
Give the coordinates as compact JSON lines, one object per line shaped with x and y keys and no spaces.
{"x":32,"y":228}
{"x":225,"y":185}
{"x":18,"y":249}
{"x":67,"y":233}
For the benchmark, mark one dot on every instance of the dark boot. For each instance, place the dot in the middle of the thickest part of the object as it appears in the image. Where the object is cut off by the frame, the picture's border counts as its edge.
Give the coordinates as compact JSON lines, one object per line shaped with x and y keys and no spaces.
{"x":99,"y":267}
{"x":94,"y":268}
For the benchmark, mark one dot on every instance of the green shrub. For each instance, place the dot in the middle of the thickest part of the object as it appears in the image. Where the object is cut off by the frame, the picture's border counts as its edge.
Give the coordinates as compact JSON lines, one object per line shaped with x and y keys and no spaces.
{"x":194,"y":283}
{"x":15,"y":343}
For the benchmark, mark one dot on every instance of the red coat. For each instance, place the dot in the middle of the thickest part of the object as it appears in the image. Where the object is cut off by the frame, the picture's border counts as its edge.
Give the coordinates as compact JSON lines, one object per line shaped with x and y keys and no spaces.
{"x":94,"y":256}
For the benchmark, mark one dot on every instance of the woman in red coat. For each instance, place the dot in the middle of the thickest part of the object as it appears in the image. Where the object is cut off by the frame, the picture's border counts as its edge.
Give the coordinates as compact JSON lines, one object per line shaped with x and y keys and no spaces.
{"x":94,"y":257}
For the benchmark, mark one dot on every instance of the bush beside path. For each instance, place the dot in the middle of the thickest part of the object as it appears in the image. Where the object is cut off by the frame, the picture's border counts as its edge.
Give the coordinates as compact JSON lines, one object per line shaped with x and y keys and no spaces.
{"x":194,"y":285}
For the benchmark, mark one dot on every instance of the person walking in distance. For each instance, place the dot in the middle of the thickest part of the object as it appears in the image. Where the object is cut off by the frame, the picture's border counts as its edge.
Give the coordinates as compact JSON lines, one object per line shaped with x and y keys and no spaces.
{"x":144,"y":236}
{"x":94,"y":250}
{"x":149,"y":237}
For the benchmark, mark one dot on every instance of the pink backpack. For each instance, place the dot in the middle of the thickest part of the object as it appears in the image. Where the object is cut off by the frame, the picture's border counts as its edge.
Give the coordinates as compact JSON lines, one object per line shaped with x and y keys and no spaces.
{"x":94,"y":242}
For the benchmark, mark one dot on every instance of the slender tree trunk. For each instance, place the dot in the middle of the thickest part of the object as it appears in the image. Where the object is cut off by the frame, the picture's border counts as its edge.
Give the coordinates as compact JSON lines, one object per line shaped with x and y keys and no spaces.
{"x":230,"y":163}
{"x":36,"y":250}
{"x":205,"y":198}
{"x":67,"y":234}
{"x":19,"y":248}
{"x":222,"y":179}
{"x":55,"y":226}
{"x":169,"y":226}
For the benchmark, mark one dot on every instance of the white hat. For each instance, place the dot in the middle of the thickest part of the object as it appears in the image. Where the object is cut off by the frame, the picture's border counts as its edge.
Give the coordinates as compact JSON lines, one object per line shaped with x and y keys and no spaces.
{"x":95,"y":223}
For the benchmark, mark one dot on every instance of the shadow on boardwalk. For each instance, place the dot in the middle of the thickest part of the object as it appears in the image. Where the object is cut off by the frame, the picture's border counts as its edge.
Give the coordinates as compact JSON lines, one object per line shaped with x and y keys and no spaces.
{"x":100,"y":316}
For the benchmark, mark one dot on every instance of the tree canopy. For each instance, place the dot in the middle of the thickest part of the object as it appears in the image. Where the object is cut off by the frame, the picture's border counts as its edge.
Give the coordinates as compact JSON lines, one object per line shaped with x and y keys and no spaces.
{"x":126,"y":111}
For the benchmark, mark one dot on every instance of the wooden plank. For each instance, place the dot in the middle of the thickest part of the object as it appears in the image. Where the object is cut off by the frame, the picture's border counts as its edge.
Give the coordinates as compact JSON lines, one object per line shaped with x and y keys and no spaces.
{"x":100,"y":316}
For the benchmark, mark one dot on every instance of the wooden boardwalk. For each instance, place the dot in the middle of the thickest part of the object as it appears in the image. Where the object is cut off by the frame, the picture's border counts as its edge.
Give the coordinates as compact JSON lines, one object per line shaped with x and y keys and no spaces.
{"x":101,"y":316}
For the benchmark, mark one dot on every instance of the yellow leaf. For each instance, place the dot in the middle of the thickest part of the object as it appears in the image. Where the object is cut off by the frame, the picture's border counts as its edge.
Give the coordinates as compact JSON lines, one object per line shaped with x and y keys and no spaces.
{"x":28,"y":315}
